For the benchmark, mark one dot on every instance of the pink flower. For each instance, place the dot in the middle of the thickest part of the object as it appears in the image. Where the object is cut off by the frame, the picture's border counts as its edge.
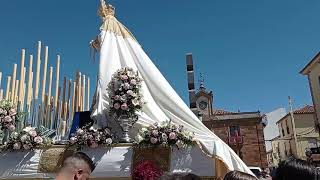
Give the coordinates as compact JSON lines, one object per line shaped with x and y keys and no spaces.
{"x":7,"y":119}
{"x":172,"y":136}
{"x":155,"y":132}
{"x":130,"y":92}
{"x":73,"y":140}
{"x":133,"y":82}
{"x":116,"y":97}
{"x":94,"y":145}
{"x":16,"y":145}
{"x":26,"y":147}
{"x":90,"y":137}
{"x":124,"y":106}
{"x":153,"y":140}
{"x":11,"y":127}
{"x":38,"y":140}
{"x":33,"y":133}
{"x":124,"y":77}
{"x":126,"y":86}
{"x":12,"y":112}
{"x":116,"y":105}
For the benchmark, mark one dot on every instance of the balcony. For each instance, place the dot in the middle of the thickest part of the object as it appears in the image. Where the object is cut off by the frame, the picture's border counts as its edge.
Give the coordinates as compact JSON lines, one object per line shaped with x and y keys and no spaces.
{"x":235,"y":140}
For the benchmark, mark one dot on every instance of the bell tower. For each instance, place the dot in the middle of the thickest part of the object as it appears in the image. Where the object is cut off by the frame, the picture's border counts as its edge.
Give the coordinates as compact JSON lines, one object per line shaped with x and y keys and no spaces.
{"x":201,"y":100}
{"x":204,"y":99}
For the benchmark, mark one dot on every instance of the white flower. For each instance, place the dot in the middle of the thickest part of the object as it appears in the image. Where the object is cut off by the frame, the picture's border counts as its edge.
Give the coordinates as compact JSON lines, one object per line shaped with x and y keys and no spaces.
{"x":27,"y":129}
{"x":93,"y":129}
{"x":144,"y":129}
{"x":24,"y":138}
{"x":131,"y":74}
{"x":108,"y":141}
{"x":80,"y":131}
{"x":73,"y":140}
{"x":135,"y":102}
{"x":139,"y":138}
{"x":130,"y":92}
{"x":179,"y":144}
{"x":164,"y":137}
{"x":38,"y":140}
{"x":14,"y":135}
{"x":16,"y":145}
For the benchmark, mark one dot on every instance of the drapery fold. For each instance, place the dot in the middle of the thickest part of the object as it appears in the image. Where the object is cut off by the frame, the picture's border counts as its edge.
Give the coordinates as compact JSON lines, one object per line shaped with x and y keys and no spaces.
{"x":163,"y":103}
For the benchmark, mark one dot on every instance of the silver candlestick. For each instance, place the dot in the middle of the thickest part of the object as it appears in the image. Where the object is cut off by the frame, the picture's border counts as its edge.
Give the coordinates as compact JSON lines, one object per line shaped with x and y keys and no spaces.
{"x":126,"y":124}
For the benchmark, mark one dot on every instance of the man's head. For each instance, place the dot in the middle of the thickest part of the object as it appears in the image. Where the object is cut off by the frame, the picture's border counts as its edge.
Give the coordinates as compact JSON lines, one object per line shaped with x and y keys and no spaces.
{"x":78,"y":166}
{"x":296,"y":169}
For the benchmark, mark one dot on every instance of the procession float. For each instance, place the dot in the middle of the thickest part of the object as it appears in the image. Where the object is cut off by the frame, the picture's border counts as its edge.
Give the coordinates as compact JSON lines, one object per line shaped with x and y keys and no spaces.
{"x":136,"y":122}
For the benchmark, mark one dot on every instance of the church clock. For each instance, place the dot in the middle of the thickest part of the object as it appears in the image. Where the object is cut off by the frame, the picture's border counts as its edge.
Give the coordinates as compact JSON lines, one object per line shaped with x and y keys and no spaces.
{"x":203,"y":105}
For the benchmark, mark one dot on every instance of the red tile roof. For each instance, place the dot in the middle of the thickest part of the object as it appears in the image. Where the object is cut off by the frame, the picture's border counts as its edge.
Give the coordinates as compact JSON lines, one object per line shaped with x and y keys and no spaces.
{"x":304,"y":110}
{"x":307,"y":109}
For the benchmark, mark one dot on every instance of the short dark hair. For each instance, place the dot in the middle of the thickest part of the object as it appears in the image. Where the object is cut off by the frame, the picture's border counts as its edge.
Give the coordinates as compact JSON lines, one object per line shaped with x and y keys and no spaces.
{"x":78,"y":158}
{"x":293,"y":169}
{"x":179,"y":176}
{"x":238,"y":175}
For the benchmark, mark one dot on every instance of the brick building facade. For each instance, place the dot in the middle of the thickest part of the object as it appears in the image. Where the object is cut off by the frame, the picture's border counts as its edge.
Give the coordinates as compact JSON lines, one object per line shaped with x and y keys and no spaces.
{"x":242,"y":131}
{"x":250,"y":145}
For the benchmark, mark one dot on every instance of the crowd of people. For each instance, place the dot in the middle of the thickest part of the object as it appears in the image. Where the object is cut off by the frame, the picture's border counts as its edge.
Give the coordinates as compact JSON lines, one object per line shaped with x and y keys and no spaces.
{"x":79,"y":166}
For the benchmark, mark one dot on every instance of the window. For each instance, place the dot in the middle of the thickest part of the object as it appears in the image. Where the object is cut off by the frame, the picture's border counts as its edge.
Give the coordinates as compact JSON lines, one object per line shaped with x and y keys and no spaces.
{"x":279,"y":127}
{"x":290,"y":150}
{"x":285,"y":149}
{"x":288,"y":132}
{"x":282,"y":130}
{"x":234,"y":131}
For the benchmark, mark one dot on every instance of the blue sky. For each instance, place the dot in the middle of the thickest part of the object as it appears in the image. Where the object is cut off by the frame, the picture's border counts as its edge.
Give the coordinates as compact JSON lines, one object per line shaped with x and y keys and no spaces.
{"x":249,"y":51}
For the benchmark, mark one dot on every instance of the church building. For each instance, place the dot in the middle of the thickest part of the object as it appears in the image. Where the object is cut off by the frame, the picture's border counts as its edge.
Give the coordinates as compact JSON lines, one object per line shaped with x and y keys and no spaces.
{"x":242,"y":131}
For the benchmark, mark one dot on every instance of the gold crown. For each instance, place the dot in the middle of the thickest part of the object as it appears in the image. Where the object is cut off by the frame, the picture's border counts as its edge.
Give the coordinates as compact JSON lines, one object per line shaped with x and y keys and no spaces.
{"x":105,"y":9}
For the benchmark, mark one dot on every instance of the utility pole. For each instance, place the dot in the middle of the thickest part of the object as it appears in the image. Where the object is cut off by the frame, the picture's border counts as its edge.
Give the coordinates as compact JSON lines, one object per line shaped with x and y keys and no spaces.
{"x":293,"y":125}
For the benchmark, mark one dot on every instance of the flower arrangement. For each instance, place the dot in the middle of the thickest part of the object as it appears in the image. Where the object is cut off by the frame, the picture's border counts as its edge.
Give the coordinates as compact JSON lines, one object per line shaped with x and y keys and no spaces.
{"x":91,"y":137}
{"x":8,"y":115}
{"x":166,"y":134}
{"x":28,"y":138}
{"x":146,"y":170}
{"x":125,"y":92}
